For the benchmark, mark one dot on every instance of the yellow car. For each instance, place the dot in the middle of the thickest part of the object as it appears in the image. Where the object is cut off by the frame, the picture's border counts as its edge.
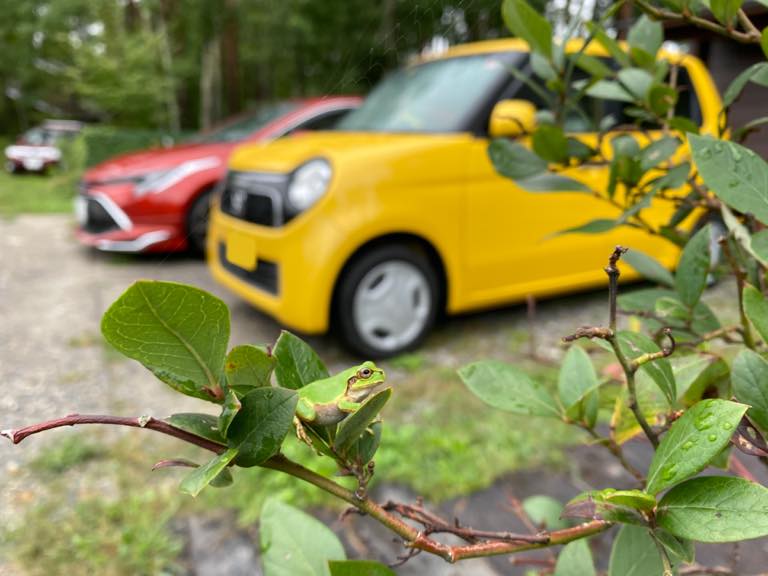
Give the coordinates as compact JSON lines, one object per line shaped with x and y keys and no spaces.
{"x":377,"y":227}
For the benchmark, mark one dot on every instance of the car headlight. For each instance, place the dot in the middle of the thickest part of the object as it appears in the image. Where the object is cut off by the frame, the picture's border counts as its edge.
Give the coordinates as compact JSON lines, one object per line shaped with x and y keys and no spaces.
{"x":161,"y":180}
{"x":308,"y":184}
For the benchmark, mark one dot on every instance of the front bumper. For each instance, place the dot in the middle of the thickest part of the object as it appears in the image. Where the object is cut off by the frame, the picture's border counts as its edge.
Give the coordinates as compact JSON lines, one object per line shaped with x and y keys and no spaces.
{"x":102,"y":224}
{"x":289,"y":277}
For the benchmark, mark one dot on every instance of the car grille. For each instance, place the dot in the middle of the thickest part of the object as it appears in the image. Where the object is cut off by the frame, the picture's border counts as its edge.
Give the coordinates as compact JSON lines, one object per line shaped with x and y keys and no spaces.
{"x":265,"y":276}
{"x":255,"y":197}
{"x":97,"y":218}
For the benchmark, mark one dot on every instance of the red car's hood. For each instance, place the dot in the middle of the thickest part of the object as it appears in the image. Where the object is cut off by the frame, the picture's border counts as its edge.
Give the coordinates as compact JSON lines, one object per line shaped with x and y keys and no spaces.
{"x":136,"y":163}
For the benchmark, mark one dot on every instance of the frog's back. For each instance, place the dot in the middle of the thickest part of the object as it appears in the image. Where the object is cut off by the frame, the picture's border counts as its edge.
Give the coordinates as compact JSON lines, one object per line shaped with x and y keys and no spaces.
{"x":324,"y":391}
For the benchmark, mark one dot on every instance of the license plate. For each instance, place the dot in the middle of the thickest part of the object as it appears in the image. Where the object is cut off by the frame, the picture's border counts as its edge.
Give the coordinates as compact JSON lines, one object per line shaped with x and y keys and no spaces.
{"x":81,"y":210}
{"x":33,"y":164}
{"x":241,"y":250}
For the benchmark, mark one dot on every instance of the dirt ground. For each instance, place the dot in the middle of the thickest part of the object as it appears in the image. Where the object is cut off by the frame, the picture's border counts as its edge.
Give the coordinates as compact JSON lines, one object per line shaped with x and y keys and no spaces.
{"x":53,"y":293}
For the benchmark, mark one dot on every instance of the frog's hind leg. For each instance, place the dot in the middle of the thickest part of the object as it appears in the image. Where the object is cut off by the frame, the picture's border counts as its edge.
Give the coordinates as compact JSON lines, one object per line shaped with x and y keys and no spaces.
{"x":301,"y":433}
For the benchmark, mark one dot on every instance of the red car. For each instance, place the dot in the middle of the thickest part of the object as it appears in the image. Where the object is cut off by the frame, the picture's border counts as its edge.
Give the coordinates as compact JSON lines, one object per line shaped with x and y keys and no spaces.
{"x":157,"y":200}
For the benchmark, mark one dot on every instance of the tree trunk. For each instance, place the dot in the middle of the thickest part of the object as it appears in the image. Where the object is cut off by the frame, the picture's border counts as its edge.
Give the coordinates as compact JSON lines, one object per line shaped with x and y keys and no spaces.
{"x":210,"y":84}
{"x":230,"y":57}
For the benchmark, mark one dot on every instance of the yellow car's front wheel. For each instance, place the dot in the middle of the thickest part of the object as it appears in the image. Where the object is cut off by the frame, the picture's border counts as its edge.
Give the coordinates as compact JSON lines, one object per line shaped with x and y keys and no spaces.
{"x":387,"y":300}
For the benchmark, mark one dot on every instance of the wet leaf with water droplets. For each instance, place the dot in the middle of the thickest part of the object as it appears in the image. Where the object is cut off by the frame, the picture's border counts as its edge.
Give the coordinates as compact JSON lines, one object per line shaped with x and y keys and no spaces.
{"x":693,"y":441}
{"x":737,"y":175}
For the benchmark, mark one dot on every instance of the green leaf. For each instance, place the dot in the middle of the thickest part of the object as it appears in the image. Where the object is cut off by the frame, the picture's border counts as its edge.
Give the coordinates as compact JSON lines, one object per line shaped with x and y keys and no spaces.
{"x":365,"y":448}
{"x":262,"y":423}
{"x":622,"y":506}
{"x":508,"y":388}
{"x":695,"y":373}
{"x":542,"y":67}
{"x":203,"y":425}
{"x":359,"y":568}
{"x":679,"y":550}
{"x":725,"y":10}
{"x":764,"y":41}
{"x":228,"y":411}
{"x":577,"y":149}
{"x":715,"y":509}
{"x":609,"y":44}
{"x":658,"y":151}
{"x":178,"y":332}
{"x":577,"y":386}
{"x":749,"y":377}
{"x":545,"y":511}
{"x":636,"y":80}
{"x":353,"y":426}
{"x":682,"y":124}
{"x":738,"y":176}
{"x":201,"y":477}
{"x":759,"y":246}
{"x":692,"y":270}
{"x":248,"y":367}
{"x":549,"y":142}
{"x":549,"y":182}
{"x":609,"y":90}
{"x":634,"y":553}
{"x":634,"y":344}
{"x":756,"y":309}
{"x":297,"y":363}
{"x":646,"y":34}
{"x":662,"y":98}
{"x":597,"y":226}
{"x":674,"y":178}
{"x":524,"y":22}
{"x":693,"y":441}
{"x":575,"y":560}
{"x":591,"y":65}
{"x":294,"y":543}
{"x":756,"y":71}
{"x":648,"y":267}
{"x":514,"y":160}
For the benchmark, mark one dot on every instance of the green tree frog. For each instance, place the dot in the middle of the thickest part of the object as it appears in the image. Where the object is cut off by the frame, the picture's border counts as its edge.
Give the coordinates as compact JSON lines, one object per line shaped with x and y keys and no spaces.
{"x":328,"y":401}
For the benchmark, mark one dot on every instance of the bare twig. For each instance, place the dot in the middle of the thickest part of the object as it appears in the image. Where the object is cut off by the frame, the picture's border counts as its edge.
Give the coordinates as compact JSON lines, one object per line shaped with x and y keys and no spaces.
{"x":741,"y":281}
{"x":651,"y":356}
{"x":613,"y":284}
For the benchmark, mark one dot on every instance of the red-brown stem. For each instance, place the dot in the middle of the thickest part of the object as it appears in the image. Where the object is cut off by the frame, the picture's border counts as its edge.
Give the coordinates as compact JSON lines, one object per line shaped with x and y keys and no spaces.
{"x":17,"y":436}
{"x":412,"y":537}
{"x":737,"y":467}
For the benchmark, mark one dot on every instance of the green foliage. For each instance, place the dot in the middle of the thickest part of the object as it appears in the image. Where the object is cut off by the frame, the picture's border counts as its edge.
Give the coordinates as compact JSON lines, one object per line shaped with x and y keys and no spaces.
{"x":575,"y":560}
{"x":577,"y":387}
{"x":634,"y":552}
{"x":358,"y":568}
{"x":295,"y":544}
{"x":715,"y":509}
{"x":188,"y":330}
{"x":529,"y":25}
{"x":545,"y":511}
{"x":508,"y":388}
{"x":692,"y":442}
{"x":296,"y":363}
{"x":749,"y":375}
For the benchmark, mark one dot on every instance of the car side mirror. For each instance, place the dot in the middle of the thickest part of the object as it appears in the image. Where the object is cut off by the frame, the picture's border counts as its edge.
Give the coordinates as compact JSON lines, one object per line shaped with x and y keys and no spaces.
{"x":511,"y":118}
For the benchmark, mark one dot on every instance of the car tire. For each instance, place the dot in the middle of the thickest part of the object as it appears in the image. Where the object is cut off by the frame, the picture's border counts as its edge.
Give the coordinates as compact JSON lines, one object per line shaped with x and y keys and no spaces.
{"x":386,"y":300}
{"x":197,"y":223}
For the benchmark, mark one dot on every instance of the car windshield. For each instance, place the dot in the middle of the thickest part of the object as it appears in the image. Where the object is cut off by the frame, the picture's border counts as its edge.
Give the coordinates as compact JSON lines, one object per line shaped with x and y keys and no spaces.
{"x":438,"y":96}
{"x":243,"y":127}
{"x":39,"y":137}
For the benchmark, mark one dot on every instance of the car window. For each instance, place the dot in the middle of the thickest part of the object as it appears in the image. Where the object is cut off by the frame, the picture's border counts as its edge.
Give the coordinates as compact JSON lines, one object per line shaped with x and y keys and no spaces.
{"x":438,"y":96}
{"x":326,"y":121}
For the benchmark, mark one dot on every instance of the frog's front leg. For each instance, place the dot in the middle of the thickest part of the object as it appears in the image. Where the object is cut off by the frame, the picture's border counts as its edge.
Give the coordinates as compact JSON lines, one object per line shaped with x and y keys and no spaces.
{"x":349,"y":406}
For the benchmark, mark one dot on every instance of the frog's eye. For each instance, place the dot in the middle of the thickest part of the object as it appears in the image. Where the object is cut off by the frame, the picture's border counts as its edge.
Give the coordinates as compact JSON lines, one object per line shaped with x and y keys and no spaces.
{"x":365,"y":373}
